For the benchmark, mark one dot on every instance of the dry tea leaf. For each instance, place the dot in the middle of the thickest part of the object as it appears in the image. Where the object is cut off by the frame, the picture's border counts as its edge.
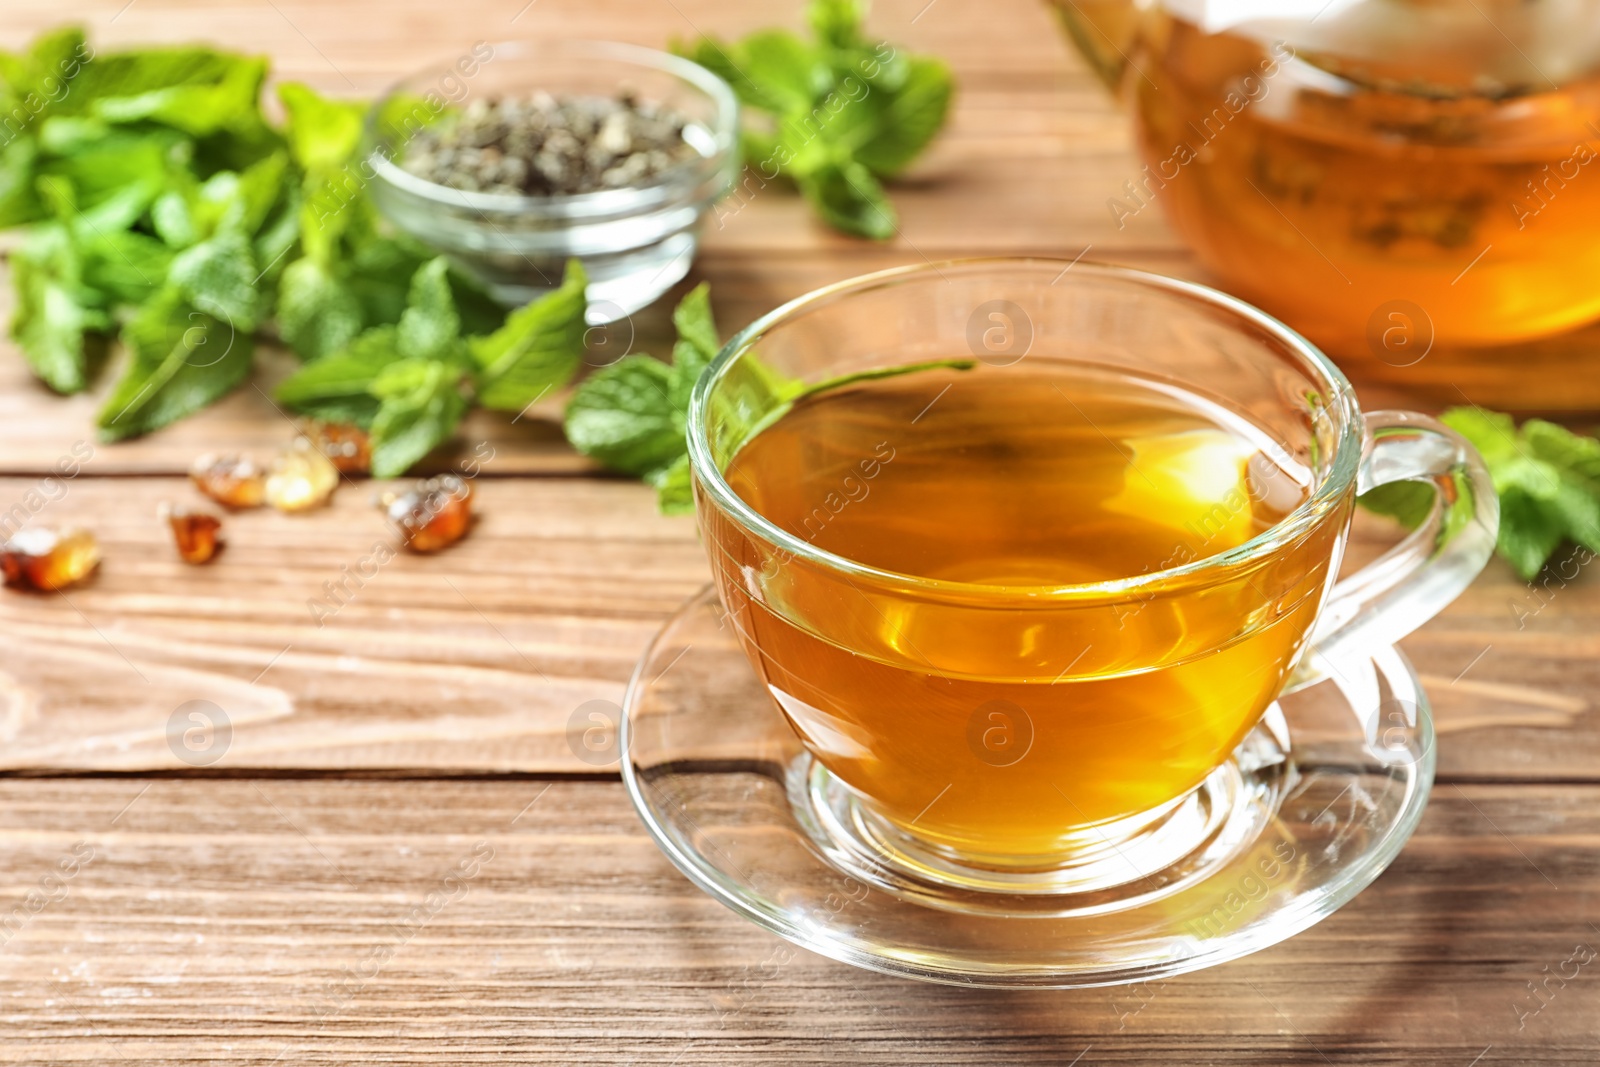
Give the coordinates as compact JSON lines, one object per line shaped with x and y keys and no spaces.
{"x":546,"y":145}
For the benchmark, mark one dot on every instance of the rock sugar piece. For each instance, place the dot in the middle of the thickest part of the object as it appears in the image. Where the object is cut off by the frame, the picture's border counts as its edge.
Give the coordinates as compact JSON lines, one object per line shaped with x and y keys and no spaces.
{"x":346,"y":445}
{"x":232,"y":481}
{"x":432,"y":514}
{"x":302,"y":478}
{"x":46,"y":559}
{"x":197,"y":534}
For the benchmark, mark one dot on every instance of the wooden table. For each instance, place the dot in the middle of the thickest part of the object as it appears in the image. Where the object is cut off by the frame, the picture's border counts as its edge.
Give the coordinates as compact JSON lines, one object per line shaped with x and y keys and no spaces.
{"x":273,"y":906}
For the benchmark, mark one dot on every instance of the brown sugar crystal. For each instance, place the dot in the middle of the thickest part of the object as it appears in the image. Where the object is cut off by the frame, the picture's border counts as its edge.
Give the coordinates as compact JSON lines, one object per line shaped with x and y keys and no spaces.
{"x":432,"y":514}
{"x":46,"y":559}
{"x":232,"y":481}
{"x":197,"y":534}
{"x":345,"y":444}
{"x":302,"y":478}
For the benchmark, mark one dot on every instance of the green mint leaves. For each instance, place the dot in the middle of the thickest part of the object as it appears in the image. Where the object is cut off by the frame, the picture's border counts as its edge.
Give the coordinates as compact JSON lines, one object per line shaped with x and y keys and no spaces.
{"x":632,"y":415}
{"x":152,"y":188}
{"x":351,"y":276}
{"x":164,"y":210}
{"x":419,"y":405}
{"x":411,"y":382}
{"x":536,"y":350}
{"x":317,"y":312}
{"x":1547,"y":478}
{"x":844,"y":112}
{"x":337,"y":388}
{"x":181,"y":359}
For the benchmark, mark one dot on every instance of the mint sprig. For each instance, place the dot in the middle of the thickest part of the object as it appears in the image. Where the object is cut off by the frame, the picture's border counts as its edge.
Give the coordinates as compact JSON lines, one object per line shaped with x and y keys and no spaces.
{"x":411,"y":383}
{"x":1547,"y":479}
{"x":632,"y":415}
{"x":844,"y":112}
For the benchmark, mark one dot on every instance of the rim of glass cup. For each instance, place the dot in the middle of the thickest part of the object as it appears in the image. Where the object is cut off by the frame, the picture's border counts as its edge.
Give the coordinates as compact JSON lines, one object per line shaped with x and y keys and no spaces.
{"x":724,"y":133}
{"x":1340,"y":405}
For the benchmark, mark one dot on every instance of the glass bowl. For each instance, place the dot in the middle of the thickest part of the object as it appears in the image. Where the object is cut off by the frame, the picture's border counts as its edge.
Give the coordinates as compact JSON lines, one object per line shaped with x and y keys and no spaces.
{"x":635,"y":242}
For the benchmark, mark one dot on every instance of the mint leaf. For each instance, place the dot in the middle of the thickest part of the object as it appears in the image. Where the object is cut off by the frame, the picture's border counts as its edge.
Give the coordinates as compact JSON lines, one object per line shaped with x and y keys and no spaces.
{"x":849,"y":198}
{"x":259,"y":188}
{"x":19,"y":202}
{"x":843,"y":112}
{"x":904,"y":122}
{"x":624,"y":417}
{"x":121,"y":75}
{"x":1578,"y":509}
{"x":181,"y":359}
{"x":696,"y":347}
{"x":480,"y":313}
{"x":218,"y":277}
{"x":693,"y":320}
{"x":129,"y":267}
{"x":41,"y":81}
{"x":193,"y":105}
{"x":430,"y":328}
{"x":837,"y":22}
{"x":1492,"y":433}
{"x":54,"y":308}
{"x":1559,"y":446}
{"x":1529,"y":533}
{"x":536,"y":350}
{"x":138,"y":155}
{"x":420,"y":405}
{"x":1547,"y":479}
{"x":632,"y":415}
{"x":1408,"y":503}
{"x":34,"y":86}
{"x":338,"y":387}
{"x":173,"y":220}
{"x":277,"y":235}
{"x":729,"y":62}
{"x":379,"y":272}
{"x":323,"y":133}
{"x":674,"y":487}
{"x":114,"y":178}
{"x":785,"y":70}
{"x":317,"y":312}
{"x":329,"y":207}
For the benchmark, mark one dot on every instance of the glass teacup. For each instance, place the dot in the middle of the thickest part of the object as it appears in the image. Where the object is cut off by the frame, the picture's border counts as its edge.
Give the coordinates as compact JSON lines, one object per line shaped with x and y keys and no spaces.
{"x":1003,"y":727}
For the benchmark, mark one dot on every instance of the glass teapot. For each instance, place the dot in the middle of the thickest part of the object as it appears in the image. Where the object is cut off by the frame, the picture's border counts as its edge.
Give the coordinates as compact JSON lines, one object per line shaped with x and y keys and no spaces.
{"x":1378,"y":173}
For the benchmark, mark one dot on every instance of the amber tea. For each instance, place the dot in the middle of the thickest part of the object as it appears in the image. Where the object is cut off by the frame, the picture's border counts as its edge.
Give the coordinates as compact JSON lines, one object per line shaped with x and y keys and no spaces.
{"x":1379,"y":176}
{"x":962,"y":704}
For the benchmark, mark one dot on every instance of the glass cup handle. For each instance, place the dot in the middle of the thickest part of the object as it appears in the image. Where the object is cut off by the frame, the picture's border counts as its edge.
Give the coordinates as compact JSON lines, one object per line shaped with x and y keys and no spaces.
{"x":1413,"y":581}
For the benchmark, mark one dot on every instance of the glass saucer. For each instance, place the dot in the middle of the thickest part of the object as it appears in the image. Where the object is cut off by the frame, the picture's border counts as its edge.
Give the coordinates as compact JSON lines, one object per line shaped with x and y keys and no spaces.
{"x":1310,"y":809}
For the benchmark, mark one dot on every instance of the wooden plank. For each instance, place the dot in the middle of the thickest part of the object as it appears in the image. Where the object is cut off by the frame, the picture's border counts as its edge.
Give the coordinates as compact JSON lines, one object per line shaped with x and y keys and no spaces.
{"x":473,"y":660}
{"x":270,"y":920}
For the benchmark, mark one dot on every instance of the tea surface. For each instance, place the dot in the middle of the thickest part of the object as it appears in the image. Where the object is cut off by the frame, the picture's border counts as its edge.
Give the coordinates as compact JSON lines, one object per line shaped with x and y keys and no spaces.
{"x":1016,"y":478}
